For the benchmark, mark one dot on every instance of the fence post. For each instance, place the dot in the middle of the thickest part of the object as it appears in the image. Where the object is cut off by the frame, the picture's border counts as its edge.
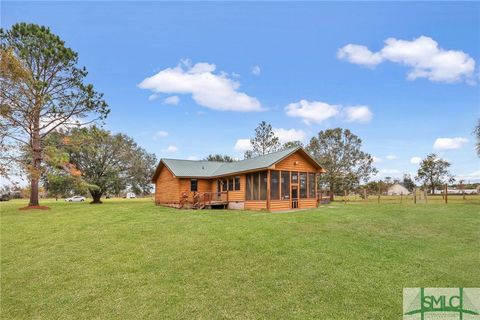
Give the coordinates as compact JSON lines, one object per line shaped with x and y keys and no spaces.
{"x":425,"y":195}
{"x":414,"y":195}
{"x":364,"y":194}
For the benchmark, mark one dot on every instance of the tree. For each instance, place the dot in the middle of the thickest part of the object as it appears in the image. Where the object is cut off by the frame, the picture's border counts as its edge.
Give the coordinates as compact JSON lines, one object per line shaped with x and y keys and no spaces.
{"x":433,"y":172}
{"x":339,"y":152}
{"x":292,"y":144}
{"x":219,"y":158}
{"x":264,"y":141}
{"x":12,"y":69}
{"x":408,"y":182}
{"x":42,"y":90}
{"x":476,"y":132}
{"x":59,"y":183}
{"x":110,"y":163}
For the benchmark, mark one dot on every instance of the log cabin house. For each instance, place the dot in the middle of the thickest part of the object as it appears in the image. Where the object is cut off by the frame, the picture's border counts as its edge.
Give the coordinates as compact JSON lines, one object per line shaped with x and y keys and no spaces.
{"x":280,"y":180}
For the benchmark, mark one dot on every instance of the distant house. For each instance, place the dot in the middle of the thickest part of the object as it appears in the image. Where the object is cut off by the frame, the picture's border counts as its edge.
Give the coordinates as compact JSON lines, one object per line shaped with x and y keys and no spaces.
{"x":397,"y":189}
{"x":277,"y":181}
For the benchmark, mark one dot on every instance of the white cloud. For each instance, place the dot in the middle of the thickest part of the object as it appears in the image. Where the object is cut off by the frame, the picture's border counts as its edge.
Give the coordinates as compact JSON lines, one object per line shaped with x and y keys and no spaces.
{"x":415,"y":160}
{"x":172,"y":100}
{"x":423,"y":55}
{"x":318,"y":111}
{"x":312,"y":111}
{"x":286,"y":135}
{"x":256,"y":70}
{"x":242,"y":145}
{"x":449,"y":143}
{"x":391,"y":157}
{"x":475,"y":175}
{"x":359,"y":55}
{"x":192,"y":158}
{"x":389,"y":171}
{"x":170,"y":149}
{"x":377,"y":159}
{"x":358,"y":114}
{"x":48,"y":123}
{"x":160,"y":134}
{"x":393,"y":173}
{"x":216,"y":91}
{"x":153,"y":96}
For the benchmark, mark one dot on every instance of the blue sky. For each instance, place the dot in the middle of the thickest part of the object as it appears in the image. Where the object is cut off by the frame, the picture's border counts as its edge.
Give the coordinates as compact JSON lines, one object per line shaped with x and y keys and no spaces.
{"x":189,"y":79}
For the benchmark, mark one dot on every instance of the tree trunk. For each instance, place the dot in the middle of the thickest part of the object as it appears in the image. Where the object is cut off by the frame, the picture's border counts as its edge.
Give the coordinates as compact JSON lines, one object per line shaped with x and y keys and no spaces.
{"x":33,"y":193}
{"x":331,"y":191}
{"x":35,"y":170}
{"x":96,"y":195}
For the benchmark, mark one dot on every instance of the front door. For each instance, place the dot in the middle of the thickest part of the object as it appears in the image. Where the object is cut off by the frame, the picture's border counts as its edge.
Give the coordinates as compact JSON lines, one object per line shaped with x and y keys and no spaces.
{"x":294,"y":197}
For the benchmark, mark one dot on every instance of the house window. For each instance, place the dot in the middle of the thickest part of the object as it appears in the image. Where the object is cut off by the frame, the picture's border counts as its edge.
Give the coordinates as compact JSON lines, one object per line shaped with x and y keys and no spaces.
{"x":285,"y":184}
{"x":263,"y":185}
{"x":224,"y":185}
{"x":230,"y":184}
{"x":303,"y":185}
{"x":294,"y":177}
{"x":274,"y":185}
{"x":237,"y":183}
{"x":193,"y":185}
{"x":312,"y":181}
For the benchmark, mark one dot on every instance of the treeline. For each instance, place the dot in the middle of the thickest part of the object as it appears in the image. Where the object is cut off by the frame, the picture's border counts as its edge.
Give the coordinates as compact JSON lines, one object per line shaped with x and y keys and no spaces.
{"x":348,"y":167}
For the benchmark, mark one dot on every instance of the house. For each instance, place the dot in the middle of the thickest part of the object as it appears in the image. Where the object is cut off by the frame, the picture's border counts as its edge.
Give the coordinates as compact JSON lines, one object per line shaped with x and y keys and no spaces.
{"x":277,"y":181}
{"x":397,"y":189}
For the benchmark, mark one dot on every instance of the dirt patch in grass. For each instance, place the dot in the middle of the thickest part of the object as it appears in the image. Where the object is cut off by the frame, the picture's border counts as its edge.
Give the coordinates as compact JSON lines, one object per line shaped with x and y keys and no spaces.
{"x":34,"y":207}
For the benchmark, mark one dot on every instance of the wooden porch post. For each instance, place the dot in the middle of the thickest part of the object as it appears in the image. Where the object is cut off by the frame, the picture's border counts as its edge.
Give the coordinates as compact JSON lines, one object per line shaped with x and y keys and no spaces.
{"x":268,"y":190}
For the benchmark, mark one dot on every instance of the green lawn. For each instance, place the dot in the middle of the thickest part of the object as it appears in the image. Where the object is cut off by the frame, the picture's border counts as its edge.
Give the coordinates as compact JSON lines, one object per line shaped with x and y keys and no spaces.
{"x":129,"y":259}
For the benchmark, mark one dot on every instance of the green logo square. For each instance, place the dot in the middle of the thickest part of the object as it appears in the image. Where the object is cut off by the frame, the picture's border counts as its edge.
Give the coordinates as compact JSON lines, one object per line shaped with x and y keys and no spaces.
{"x":441,"y":303}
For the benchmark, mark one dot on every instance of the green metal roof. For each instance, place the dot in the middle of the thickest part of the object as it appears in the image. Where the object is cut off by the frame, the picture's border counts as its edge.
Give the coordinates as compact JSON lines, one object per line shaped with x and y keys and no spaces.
{"x":207,"y":169}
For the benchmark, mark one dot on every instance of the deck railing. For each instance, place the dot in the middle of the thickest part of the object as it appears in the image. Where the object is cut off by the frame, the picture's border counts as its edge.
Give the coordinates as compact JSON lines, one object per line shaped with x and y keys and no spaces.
{"x":208,"y":197}
{"x":202,"y":199}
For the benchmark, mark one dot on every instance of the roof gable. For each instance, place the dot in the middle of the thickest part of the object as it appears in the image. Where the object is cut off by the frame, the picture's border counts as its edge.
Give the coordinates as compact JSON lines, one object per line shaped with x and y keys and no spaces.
{"x":208,"y":169}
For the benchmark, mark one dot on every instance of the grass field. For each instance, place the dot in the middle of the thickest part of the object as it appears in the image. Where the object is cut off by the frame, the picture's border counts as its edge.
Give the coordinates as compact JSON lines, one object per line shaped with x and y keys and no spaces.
{"x":128,"y":259}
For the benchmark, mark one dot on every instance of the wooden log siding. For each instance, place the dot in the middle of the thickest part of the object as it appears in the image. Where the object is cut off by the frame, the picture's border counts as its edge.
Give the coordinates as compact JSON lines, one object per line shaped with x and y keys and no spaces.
{"x":204,"y":185}
{"x":233,"y":195}
{"x":167,"y":187}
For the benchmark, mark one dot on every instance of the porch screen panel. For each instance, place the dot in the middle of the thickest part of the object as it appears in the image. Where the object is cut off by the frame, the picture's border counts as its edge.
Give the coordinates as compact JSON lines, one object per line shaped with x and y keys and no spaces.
{"x":224,"y":185}
{"x":294,"y":177}
{"x":274,"y":185}
{"x":256,"y":186}
{"x":263,"y":185}
{"x":303,"y":185}
{"x":311,"y":185}
{"x":285,"y":183}
{"x":249,"y":188}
